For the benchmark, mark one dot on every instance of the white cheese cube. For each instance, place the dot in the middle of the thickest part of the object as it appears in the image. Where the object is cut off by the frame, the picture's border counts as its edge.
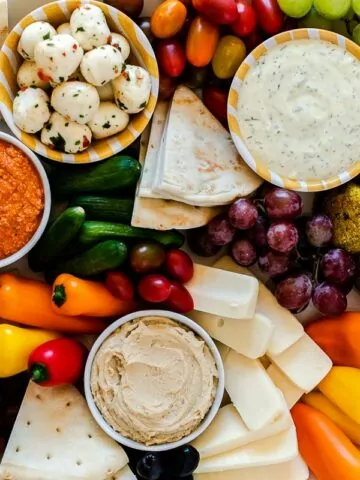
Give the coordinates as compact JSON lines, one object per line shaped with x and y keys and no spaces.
{"x":304,"y":363}
{"x":252,"y":391}
{"x":248,"y":337}
{"x":223,"y":293}
{"x":287,"y":329}
{"x":291,"y":392}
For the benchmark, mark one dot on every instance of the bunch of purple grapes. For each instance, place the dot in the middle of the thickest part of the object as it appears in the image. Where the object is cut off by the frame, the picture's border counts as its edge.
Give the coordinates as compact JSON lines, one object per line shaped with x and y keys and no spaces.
{"x":293,"y":250}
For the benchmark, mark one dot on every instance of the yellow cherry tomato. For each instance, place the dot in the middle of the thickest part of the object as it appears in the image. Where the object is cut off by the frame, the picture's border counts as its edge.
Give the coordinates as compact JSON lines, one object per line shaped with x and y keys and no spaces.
{"x":168,"y":19}
{"x":229,"y":54}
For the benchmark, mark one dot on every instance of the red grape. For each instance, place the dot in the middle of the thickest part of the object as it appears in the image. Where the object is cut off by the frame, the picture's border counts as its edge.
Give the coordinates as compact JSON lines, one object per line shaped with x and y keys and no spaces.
{"x":338,"y":267}
{"x":257,"y":234}
{"x":243,"y":214}
{"x":154,"y":288}
{"x":329,"y":300}
{"x":179,"y":299}
{"x":201,"y":244}
{"x":243,"y":252}
{"x":282,"y":236}
{"x":220,"y":231}
{"x":294,"y":292}
{"x":274,"y":263}
{"x":179,"y":265}
{"x":319,"y":230}
{"x":283,"y":204}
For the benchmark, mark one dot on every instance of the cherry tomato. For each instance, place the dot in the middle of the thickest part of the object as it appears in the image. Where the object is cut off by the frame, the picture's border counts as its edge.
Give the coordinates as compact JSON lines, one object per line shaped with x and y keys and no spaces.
{"x":144,"y":24}
{"x":195,"y":77}
{"x":229,"y":54}
{"x":215,"y":100}
{"x":146,"y":257}
{"x":179,"y":265}
{"x":221,"y":12}
{"x":171,"y":57}
{"x":270,"y":17}
{"x":167,"y":86}
{"x":201,"y":42}
{"x":133,"y":8}
{"x":253,"y":40}
{"x":120,"y":286}
{"x":154,"y":288}
{"x":246,"y":20}
{"x":179,"y":299}
{"x":168,"y":18}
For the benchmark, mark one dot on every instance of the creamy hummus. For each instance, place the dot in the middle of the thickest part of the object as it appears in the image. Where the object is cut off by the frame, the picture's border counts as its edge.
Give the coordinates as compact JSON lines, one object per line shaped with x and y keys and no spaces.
{"x":154,"y":380}
{"x":299,"y":109}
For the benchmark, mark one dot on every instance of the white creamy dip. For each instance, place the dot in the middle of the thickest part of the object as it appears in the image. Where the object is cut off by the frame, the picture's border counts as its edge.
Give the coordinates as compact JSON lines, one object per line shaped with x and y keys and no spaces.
{"x":299,"y":109}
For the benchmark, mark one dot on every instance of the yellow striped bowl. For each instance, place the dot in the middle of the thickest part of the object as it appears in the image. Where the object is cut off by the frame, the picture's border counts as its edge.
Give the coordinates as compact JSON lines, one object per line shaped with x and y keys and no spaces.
{"x":142,"y":54}
{"x":312,"y":184}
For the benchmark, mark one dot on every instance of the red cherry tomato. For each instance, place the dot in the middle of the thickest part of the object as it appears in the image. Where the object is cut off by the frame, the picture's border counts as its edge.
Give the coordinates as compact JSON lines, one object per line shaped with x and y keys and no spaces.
{"x":221,"y":12}
{"x":171,"y":57}
{"x":179,"y":265}
{"x":179,"y":299}
{"x":167,"y":86}
{"x":154,"y":288}
{"x":253,"y":40}
{"x":246,"y":20}
{"x":120,"y":286}
{"x":215,"y":100}
{"x":270,"y":17}
{"x":57,"y":362}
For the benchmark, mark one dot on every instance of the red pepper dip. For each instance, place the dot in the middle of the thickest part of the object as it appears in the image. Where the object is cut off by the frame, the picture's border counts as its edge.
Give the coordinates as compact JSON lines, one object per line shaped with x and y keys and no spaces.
{"x":21,"y":199}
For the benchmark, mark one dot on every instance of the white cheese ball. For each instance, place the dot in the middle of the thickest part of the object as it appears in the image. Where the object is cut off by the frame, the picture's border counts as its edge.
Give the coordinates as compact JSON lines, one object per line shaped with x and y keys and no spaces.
{"x":57,"y":59}
{"x":89,"y":27}
{"x":106,"y":92}
{"x":76,"y":101}
{"x":32,"y":35}
{"x":102,"y":65}
{"x":132,"y":89}
{"x":108,"y":120}
{"x":66,"y":136}
{"x":64,"y":28}
{"x":31,"y":109}
{"x":120,"y":42}
{"x":27,"y":76}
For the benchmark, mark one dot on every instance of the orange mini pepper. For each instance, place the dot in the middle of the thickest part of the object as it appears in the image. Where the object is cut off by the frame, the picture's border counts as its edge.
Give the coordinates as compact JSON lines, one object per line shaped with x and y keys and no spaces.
{"x":201,"y":42}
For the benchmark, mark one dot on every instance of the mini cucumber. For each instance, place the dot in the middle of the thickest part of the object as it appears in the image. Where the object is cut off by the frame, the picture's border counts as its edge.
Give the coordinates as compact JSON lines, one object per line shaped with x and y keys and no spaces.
{"x":56,"y":238}
{"x":104,"y":208}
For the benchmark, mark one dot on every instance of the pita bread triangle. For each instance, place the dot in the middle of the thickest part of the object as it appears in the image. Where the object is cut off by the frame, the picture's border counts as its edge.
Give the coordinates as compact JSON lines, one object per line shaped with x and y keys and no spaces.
{"x":199,"y":163}
{"x":56,"y":438}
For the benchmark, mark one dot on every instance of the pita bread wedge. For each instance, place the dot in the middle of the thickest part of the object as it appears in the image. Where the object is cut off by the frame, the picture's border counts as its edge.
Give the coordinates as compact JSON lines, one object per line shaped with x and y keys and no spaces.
{"x":161,"y":214}
{"x":56,"y":438}
{"x":199,"y":163}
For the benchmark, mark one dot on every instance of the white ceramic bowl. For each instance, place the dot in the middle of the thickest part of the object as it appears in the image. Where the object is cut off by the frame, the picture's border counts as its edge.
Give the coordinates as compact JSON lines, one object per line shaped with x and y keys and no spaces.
{"x":210,"y":415}
{"x":47,"y":201}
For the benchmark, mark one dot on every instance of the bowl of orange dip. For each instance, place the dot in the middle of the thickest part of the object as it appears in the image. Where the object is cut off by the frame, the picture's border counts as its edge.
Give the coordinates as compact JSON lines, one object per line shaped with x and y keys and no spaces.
{"x":25,"y":199}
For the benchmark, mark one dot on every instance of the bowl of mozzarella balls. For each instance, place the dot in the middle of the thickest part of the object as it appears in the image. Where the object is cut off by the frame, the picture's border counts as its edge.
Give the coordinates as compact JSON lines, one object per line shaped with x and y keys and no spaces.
{"x":80,"y":81}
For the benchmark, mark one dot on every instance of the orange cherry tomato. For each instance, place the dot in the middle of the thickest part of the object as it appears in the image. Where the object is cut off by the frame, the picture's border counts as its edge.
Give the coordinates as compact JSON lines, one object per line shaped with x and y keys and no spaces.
{"x":168,"y":19}
{"x":201,"y":42}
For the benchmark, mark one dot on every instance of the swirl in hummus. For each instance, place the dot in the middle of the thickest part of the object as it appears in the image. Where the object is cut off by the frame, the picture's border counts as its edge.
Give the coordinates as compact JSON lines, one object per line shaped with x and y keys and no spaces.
{"x":154,"y":380}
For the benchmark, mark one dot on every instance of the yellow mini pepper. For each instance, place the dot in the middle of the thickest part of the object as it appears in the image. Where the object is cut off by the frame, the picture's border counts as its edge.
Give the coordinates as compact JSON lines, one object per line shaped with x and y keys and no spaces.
{"x":16,"y":344}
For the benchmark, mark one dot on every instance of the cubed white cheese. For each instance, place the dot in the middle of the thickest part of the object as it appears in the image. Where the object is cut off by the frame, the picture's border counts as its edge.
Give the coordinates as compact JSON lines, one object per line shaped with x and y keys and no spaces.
{"x":291,"y":392}
{"x":223,"y":293}
{"x":270,"y":451}
{"x":304,"y":363}
{"x":252,"y":391}
{"x":287,"y":329}
{"x":248,"y":337}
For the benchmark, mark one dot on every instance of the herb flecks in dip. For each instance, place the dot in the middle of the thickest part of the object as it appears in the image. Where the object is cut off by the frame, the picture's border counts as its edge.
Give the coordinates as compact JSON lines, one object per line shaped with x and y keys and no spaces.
{"x":299,"y":109}
{"x":21,"y":199}
{"x":154,"y":380}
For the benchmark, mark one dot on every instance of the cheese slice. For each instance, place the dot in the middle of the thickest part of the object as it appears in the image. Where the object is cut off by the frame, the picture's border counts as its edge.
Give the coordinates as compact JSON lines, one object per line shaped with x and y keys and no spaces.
{"x":248,"y":337}
{"x":270,"y":451}
{"x":252,"y":391}
{"x":287,"y":329}
{"x":223,"y":293}
{"x":228,"y":431}
{"x":291,"y":392}
{"x":294,"y":470}
{"x":304,"y":363}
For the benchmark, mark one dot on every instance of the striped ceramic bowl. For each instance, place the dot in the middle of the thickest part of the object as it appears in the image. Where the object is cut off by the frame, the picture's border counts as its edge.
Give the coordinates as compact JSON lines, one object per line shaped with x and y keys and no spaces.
{"x":142,"y":54}
{"x":311,"y":185}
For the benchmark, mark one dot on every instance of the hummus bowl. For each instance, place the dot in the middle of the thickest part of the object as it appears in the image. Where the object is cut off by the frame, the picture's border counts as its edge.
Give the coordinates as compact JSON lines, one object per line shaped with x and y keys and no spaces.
{"x":156,"y":402}
{"x":292,"y":110}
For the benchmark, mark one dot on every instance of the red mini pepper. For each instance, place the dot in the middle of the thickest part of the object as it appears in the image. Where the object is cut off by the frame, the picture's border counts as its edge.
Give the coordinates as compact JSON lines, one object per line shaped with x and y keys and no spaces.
{"x":57,"y":362}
